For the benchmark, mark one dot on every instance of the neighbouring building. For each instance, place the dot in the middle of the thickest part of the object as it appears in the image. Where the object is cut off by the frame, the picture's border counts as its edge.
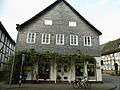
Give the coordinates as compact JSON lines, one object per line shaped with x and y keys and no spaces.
{"x":7,"y":46}
{"x":60,"y":28}
{"x":110,"y":54}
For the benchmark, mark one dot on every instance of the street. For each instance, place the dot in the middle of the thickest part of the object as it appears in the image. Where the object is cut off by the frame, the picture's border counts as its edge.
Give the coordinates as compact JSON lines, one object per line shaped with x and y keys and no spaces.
{"x":113,"y":79}
{"x":106,"y":85}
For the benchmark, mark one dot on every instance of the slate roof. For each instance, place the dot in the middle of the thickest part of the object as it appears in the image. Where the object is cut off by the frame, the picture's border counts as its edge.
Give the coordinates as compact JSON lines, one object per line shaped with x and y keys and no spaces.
{"x":6,"y":33}
{"x":110,"y":47}
{"x":52,"y":6}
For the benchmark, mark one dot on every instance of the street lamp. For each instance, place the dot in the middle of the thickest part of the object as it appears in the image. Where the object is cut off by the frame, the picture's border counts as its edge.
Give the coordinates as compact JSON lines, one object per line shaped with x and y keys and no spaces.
{"x":13,"y":62}
{"x":20,"y":77}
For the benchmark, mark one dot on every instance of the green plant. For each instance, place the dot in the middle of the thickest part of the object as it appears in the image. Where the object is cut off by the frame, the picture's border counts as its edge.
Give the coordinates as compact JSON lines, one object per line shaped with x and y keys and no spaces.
{"x":32,"y":57}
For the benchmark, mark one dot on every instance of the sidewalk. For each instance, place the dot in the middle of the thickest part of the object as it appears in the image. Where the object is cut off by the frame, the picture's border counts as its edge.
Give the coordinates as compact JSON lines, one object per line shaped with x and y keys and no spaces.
{"x":97,"y":86}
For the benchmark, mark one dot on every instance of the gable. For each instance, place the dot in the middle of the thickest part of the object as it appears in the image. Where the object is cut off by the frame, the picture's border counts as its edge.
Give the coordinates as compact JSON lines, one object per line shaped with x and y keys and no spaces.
{"x":63,"y":7}
{"x":2,"y":28}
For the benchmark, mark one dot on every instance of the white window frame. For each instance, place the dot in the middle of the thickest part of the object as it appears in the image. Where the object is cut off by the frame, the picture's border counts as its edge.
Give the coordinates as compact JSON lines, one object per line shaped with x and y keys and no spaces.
{"x":44,"y":38}
{"x":87,"y":40}
{"x":59,"y":39}
{"x":48,"y":22}
{"x":29,"y":37}
{"x":119,"y":46}
{"x":72,"y":24}
{"x":73,"y":39}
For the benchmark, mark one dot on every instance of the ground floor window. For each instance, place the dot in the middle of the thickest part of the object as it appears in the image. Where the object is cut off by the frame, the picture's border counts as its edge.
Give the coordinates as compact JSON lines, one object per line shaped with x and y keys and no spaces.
{"x":44,"y":70}
{"x":91,"y":70}
{"x":79,"y":69}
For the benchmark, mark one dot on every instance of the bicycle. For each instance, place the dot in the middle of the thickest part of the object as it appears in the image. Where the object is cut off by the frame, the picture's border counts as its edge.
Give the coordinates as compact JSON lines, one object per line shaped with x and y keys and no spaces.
{"x":84,"y":83}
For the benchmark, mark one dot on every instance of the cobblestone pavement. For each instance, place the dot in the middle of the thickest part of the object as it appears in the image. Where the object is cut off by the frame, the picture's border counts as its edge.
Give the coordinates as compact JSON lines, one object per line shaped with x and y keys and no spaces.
{"x":97,"y":86}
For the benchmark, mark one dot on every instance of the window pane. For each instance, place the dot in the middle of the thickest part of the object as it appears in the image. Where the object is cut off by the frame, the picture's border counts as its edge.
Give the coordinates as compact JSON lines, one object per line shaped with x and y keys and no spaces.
{"x":85,"y":40}
{"x":29,"y":37}
{"x":61,"y":40}
{"x":43,"y":37}
{"x":47,"y":38}
{"x":71,"y":39}
{"x":32,"y":39}
{"x":57,"y":38}
{"x":75,"y":39}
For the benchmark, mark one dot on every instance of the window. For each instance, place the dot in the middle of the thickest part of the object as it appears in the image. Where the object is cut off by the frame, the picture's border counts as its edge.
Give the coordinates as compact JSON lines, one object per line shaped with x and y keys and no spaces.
{"x":73,"y":40}
{"x":45,"y":38}
{"x":3,"y":38}
{"x":91,"y":70}
{"x":79,"y":70}
{"x":87,"y":40}
{"x":119,"y":46}
{"x":72,"y":24}
{"x":102,"y":62}
{"x":48,"y":22}
{"x":0,"y":34}
{"x":60,"y":39}
{"x":31,"y":37}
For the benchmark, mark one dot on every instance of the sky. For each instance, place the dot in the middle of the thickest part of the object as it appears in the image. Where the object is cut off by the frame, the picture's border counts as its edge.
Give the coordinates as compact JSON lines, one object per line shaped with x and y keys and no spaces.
{"x":103,"y":14}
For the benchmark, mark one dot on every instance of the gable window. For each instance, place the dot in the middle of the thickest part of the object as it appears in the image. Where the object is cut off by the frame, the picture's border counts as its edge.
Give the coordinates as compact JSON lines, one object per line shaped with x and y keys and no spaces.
{"x":73,"y":40}
{"x":45,"y":38}
{"x":87,"y":40}
{"x":48,"y":22}
{"x":60,"y":39}
{"x":31,"y":37}
{"x":72,"y":24}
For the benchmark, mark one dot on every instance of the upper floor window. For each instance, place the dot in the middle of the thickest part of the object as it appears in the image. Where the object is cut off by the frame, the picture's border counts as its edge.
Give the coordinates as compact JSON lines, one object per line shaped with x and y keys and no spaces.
{"x":45,"y":38}
{"x":31,"y":37}
{"x":48,"y":22}
{"x":60,"y":39}
{"x":72,"y":24}
{"x":10,"y":45}
{"x":73,"y":40}
{"x":0,"y":34}
{"x":87,"y":40}
{"x":119,"y":45}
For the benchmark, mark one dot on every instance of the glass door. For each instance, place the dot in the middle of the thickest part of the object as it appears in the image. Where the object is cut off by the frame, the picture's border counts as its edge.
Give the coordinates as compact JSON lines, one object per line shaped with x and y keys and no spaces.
{"x":44,"y":70}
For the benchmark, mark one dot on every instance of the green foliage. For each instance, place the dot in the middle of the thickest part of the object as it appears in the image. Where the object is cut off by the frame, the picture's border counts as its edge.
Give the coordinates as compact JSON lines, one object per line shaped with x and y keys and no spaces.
{"x":32,"y":57}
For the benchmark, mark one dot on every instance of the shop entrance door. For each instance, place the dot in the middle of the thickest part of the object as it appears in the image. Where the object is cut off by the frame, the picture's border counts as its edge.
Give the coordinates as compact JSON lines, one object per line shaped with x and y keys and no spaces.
{"x":62,"y":72}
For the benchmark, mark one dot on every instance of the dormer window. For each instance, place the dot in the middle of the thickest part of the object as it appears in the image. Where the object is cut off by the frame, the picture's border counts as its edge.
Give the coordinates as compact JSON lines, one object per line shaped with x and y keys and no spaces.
{"x":72,"y":24}
{"x":48,"y":22}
